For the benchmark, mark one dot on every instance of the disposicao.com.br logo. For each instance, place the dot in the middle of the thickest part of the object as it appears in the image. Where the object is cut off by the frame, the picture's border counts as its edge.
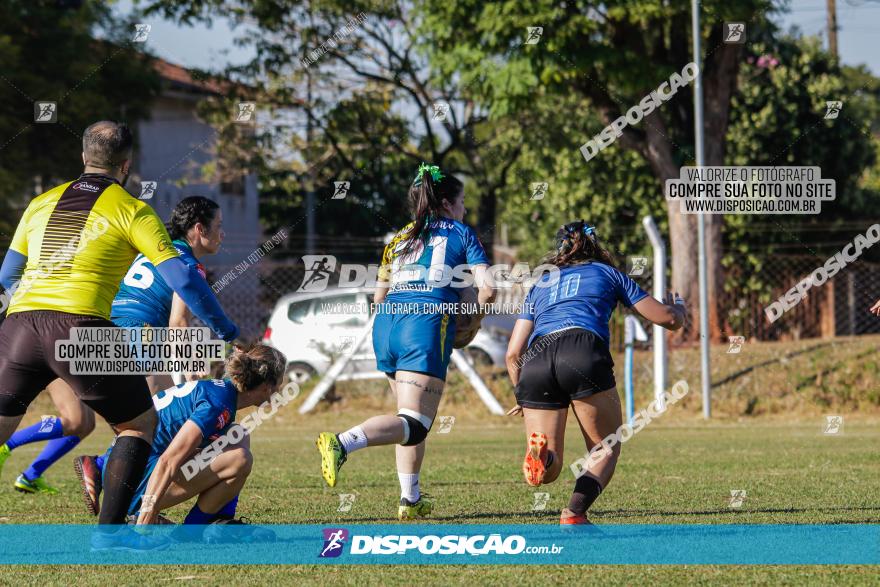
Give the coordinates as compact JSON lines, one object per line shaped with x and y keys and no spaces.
{"x":476,"y":545}
{"x":334,"y":540}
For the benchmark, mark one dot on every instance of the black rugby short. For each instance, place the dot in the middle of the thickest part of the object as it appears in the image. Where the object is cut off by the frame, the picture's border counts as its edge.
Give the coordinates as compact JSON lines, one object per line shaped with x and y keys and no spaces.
{"x":564,"y":366}
{"x":28,"y":365}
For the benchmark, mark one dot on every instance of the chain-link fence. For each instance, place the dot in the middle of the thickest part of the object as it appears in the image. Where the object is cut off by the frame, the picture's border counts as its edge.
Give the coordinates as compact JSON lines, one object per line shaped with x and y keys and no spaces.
{"x":837,"y":307}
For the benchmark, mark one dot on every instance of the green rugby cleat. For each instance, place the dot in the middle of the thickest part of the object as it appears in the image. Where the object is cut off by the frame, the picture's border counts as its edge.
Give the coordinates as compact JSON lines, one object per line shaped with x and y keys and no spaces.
{"x":332,"y":456}
{"x":410,"y":511}
{"x":38,"y":485}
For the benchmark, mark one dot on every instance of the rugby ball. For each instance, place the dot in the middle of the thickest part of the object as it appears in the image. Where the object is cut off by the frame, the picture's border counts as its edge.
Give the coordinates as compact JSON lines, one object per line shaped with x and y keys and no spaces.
{"x":467,"y":323}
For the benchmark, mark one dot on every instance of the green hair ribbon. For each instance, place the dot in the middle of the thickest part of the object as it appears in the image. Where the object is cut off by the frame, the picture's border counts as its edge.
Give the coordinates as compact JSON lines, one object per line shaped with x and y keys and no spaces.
{"x":436,"y":175}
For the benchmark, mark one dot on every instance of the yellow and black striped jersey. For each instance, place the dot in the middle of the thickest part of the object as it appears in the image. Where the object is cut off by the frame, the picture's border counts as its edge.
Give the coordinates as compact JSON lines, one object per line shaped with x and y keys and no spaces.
{"x":390,"y":252}
{"x":80,"y":238}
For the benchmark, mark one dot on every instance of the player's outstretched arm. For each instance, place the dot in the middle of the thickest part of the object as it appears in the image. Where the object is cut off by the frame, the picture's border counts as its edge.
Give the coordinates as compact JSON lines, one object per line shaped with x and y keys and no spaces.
{"x":670,"y":315}
{"x":485,"y":284}
{"x":187,"y":282}
{"x":169,"y":462}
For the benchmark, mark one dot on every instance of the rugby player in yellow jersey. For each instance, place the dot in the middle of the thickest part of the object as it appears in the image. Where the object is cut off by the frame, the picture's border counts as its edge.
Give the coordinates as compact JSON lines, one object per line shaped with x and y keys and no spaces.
{"x":71,"y":249}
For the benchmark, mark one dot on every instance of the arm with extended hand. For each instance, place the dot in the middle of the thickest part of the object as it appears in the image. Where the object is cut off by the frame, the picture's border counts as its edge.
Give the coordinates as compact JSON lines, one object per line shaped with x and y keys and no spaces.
{"x":188,"y":283}
{"x":182,"y":446}
{"x":670,"y":315}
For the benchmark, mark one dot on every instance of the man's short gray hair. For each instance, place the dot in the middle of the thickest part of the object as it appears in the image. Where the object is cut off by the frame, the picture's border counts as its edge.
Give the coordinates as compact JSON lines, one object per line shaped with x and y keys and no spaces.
{"x":107,"y":144}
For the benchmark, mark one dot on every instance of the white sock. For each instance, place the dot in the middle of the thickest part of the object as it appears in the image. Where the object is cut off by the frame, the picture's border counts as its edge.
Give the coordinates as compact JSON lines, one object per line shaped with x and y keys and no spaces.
{"x":353,"y":439}
{"x":409,"y":486}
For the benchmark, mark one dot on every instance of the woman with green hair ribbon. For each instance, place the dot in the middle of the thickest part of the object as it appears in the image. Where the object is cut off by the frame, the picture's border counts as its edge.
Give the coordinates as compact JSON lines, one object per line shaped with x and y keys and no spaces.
{"x":414,"y":332}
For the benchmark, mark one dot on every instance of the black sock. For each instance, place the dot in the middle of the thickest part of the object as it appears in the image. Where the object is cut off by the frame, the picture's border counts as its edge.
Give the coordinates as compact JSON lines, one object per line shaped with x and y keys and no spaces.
{"x":586,"y":490}
{"x":122,"y":475}
{"x":550,"y":459}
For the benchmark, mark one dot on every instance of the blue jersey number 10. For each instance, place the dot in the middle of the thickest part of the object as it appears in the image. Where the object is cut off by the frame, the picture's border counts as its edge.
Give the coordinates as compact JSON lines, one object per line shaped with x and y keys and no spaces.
{"x":565,"y":288}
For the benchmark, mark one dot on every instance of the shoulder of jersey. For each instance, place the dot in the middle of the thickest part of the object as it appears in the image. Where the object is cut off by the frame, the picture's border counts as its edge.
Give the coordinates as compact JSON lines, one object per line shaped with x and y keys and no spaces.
{"x":450,"y":224}
{"x":48,"y":195}
{"x":122,"y":193}
{"x":183,"y":250}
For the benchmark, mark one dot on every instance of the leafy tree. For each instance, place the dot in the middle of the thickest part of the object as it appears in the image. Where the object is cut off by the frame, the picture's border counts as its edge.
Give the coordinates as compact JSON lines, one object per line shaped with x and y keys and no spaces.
{"x":49,"y":52}
{"x":368,"y":103}
{"x":777,"y":118}
{"x":611,"y":55}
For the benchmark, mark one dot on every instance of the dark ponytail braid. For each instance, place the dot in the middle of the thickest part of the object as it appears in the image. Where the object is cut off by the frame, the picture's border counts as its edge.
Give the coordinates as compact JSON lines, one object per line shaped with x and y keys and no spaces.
{"x":576,"y":243}
{"x":426,"y":195}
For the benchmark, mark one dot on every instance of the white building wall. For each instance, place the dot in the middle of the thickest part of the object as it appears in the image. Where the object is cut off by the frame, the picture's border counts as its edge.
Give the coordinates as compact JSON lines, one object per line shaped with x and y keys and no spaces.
{"x":172,"y":147}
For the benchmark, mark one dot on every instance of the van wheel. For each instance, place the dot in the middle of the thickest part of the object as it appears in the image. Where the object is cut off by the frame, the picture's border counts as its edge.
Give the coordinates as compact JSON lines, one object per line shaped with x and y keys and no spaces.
{"x":299,"y":373}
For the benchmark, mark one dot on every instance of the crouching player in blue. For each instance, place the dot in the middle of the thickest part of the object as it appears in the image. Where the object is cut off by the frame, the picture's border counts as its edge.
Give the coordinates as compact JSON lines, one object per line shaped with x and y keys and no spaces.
{"x":192,"y":416}
{"x":413,"y":344}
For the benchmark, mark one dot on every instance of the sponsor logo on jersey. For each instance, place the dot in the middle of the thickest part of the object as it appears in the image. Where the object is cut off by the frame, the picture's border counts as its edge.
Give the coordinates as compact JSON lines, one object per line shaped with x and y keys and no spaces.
{"x":86,"y":187}
{"x":223,"y":419}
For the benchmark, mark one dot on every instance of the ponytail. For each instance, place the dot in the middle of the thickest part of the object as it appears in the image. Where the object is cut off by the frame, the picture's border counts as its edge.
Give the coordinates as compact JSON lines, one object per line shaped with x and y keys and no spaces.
{"x":257,"y":365}
{"x":426,"y":195}
{"x":576,"y":243}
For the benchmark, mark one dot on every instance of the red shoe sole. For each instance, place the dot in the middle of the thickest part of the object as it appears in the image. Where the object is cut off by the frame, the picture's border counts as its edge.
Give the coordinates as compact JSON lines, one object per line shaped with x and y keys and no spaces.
{"x":574,"y":521}
{"x":93,"y":505}
{"x":536,"y":455}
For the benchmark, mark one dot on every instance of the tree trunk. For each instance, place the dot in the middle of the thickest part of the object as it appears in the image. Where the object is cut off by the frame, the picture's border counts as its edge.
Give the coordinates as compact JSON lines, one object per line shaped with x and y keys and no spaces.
{"x":720,"y":84}
{"x":486,"y":221}
{"x":682,"y":227}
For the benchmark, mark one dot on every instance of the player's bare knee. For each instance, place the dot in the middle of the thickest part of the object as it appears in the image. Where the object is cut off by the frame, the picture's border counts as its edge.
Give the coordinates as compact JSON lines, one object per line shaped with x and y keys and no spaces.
{"x":79,"y":427}
{"x":239,"y":461}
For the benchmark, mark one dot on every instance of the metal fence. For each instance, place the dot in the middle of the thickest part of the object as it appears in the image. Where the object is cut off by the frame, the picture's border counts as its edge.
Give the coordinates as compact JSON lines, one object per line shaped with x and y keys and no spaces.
{"x":837,"y":307}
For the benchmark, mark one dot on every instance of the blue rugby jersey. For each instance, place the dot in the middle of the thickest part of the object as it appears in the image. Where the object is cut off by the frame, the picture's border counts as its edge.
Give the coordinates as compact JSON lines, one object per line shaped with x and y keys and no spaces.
{"x":143,"y":294}
{"x":426,"y":274}
{"x":209,"y":403}
{"x":583,"y":297}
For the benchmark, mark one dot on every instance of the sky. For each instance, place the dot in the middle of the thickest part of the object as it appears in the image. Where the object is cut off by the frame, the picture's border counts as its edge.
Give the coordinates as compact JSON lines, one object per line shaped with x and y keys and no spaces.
{"x":211,"y":48}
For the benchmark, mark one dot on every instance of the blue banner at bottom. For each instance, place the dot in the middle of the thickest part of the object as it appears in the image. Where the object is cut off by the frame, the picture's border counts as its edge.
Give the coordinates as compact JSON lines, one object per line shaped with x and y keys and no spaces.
{"x":843,"y":544}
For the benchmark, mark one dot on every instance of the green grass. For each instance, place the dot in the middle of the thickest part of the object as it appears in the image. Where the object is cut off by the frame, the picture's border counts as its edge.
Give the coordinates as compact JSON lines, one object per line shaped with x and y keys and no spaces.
{"x":680,"y":469}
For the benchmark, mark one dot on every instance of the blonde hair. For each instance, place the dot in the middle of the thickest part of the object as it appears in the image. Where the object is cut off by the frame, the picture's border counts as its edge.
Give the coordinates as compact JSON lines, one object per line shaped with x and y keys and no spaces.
{"x":257,"y":365}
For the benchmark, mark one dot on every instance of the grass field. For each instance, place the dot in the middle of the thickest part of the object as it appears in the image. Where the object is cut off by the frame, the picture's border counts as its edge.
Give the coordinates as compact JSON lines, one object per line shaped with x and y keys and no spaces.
{"x":680,"y":469}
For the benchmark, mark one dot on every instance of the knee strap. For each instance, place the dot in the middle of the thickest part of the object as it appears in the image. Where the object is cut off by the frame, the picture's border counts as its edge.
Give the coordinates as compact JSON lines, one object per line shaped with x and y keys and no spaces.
{"x":415,"y":426}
